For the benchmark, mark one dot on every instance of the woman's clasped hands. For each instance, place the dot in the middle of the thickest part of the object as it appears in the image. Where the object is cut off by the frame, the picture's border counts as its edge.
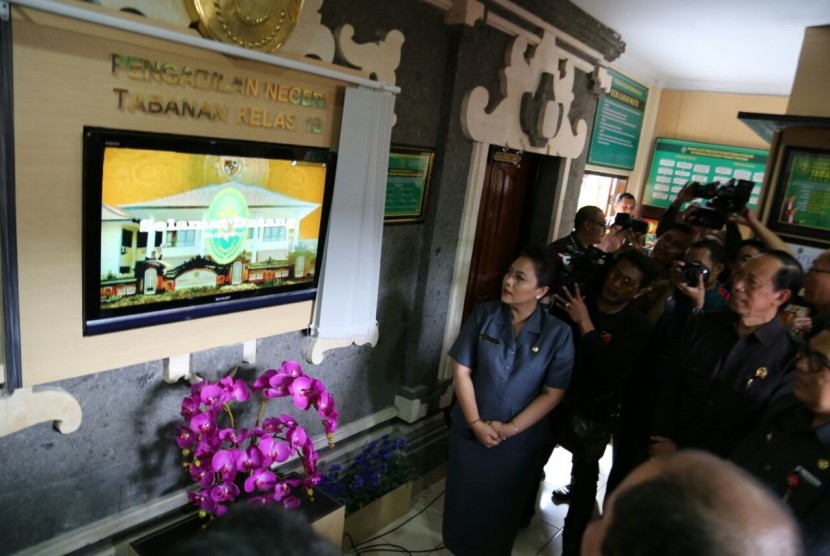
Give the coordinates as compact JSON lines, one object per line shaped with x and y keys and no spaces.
{"x":492,"y":433}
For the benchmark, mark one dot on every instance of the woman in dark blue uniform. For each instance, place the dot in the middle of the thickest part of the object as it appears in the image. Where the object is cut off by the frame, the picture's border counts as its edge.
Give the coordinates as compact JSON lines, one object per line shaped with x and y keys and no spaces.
{"x":513,"y":362}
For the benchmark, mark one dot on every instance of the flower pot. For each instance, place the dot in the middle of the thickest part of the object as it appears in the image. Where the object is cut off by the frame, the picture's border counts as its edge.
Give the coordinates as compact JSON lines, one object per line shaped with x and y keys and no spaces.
{"x":325,"y":514}
{"x":376,"y":515}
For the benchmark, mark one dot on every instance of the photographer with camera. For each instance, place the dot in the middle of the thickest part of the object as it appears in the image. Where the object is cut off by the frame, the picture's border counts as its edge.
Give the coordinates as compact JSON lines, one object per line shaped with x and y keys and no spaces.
{"x":670,"y":246}
{"x":695,"y":280}
{"x":695,"y":290}
{"x":624,"y":203}
{"x":610,"y":336}
{"x":586,"y":252}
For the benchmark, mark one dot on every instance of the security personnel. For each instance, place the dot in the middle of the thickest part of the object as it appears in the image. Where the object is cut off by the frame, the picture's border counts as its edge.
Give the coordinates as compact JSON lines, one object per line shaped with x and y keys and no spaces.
{"x":790,"y":449}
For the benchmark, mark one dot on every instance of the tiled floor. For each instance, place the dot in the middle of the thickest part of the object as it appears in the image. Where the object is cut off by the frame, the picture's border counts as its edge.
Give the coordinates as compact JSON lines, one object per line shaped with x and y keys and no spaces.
{"x":420,"y":530}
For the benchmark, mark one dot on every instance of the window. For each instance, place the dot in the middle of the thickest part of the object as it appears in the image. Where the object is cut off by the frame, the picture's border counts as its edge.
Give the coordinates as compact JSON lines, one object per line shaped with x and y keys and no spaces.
{"x":182,"y":238}
{"x":276,"y":233}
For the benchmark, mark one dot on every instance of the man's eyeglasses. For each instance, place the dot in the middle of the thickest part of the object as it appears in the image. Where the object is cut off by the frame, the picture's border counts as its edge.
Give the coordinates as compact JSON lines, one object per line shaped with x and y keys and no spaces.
{"x":814,"y":269}
{"x":598,"y":223}
{"x":816,"y":361}
{"x":624,"y":281}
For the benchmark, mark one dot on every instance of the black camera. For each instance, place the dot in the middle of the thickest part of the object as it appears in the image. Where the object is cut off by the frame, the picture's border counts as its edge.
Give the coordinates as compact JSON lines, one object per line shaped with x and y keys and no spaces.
{"x":704,"y":190}
{"x":624,"y":220}
{"x":725,"y":199}
{"x":691,"y":273}
{"x":586,"y":269}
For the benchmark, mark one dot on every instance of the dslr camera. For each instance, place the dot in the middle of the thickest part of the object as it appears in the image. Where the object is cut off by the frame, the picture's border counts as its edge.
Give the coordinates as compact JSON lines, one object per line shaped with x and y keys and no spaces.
{"x":586,"y":269}
{"x":724,"y":199}
{"x":624,"y":220}
{"x":691,"y":273}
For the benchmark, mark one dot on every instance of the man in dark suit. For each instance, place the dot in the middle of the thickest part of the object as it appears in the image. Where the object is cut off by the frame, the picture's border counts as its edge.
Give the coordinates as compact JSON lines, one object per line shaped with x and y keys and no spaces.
{"x":730,"y":365}
{"x":789,"y":451}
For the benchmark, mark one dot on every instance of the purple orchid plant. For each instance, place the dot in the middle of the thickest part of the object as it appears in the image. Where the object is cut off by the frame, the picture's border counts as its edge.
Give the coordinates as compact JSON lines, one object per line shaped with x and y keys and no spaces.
{"x":227,"y":461}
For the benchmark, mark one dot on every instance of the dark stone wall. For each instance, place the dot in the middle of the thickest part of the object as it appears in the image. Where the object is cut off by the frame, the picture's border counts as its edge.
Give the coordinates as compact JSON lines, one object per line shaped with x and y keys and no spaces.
{"x":124,"y":455}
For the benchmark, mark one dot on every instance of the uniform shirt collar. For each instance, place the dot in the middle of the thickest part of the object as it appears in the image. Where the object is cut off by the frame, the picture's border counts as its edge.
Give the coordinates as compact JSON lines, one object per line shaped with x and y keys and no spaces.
{"x":822,"y":432}
{"x":534,"y":321}
{"x":767,"y":333}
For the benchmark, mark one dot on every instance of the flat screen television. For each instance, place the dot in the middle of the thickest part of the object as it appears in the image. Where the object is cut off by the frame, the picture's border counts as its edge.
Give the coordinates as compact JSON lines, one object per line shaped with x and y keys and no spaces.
{"x":179,"y":227}
{"x":801,"y":205}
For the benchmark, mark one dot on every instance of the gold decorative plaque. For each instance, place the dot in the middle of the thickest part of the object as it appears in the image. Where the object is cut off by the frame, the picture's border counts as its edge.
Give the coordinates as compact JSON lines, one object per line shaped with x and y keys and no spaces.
{"x":256,"y":24}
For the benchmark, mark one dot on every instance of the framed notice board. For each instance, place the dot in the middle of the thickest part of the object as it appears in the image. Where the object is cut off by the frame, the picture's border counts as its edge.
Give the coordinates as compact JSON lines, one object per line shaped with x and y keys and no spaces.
{"x":801,"y":205}
{"x":407,"y":184}
{"x":618,"y":124}
{"x":675,"y":162}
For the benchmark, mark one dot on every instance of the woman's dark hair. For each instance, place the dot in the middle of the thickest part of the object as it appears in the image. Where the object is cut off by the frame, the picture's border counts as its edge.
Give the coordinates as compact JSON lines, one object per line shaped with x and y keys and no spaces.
{"x":544,"y":262}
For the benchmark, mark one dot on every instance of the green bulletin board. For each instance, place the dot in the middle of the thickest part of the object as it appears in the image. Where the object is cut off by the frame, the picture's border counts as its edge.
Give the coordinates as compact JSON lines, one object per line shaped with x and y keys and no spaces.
{"x":618,"y":124}
{"x":407,"y":184}
{"x":675,"y":162}
{"x":802,"y":201}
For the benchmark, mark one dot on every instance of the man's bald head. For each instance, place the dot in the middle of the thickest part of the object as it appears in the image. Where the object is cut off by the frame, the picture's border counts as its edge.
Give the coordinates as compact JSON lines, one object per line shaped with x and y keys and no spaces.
{"x":693,"y":503}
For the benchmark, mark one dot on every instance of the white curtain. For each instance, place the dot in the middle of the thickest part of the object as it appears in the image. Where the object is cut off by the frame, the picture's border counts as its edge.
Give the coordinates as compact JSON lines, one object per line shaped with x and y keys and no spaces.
{"x":346,"y":308}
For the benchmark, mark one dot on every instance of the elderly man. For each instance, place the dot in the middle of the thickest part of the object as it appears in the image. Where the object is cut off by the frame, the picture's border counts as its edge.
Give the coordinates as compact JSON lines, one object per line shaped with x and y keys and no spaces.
{"x":729,"y":365}
{"x":691,"y":503}
{"x":790,"y":449}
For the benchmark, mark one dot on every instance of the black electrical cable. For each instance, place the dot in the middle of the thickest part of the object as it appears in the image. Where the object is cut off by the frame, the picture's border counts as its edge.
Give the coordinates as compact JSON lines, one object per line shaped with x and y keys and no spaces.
{"x":363,"y":546}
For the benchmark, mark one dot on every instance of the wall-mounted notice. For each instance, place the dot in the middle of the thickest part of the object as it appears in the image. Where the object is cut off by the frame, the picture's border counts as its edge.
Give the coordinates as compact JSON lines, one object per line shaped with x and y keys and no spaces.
{"x":618,"y":124}
{"x":674,"y":163}
{"x":407,"y":184}
{"x":801,"y":206}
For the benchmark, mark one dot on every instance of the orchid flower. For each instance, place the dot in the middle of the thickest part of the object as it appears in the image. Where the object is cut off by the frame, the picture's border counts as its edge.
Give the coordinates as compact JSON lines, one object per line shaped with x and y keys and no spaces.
{"x":236,"y":389}
{"x":225,"y":460}
{"x":261,"y":480}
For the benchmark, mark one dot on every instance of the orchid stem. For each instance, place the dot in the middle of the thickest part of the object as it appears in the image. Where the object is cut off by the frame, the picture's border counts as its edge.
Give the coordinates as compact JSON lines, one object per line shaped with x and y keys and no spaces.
{"x":230,"y":414}
{"x":261,"y":411}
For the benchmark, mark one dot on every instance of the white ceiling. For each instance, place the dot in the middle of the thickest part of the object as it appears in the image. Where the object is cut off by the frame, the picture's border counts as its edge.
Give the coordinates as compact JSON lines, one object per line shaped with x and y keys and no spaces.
{"x":738,"y":46}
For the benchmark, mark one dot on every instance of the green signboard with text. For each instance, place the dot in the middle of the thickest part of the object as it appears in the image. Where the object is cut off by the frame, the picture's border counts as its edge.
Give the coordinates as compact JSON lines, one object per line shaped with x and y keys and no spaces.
{"x":407,"y":183}
{"x":675,"y":163}
{"x":618,"y":124}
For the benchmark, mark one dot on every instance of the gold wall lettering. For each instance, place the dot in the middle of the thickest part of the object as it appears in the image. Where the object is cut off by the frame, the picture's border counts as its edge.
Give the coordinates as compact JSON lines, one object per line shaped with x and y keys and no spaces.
{"x":142,"y":69}
{"x":157,"y":104}
{"x":151,"y":72}
{"x":258,"y":117}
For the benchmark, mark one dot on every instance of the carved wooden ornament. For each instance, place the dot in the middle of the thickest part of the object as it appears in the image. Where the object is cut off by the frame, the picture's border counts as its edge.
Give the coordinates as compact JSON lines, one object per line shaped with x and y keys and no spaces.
{"x":534,"y":115}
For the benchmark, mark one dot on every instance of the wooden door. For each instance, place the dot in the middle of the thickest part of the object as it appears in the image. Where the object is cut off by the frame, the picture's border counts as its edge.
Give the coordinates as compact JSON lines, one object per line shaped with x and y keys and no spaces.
{"x":504,"y":222}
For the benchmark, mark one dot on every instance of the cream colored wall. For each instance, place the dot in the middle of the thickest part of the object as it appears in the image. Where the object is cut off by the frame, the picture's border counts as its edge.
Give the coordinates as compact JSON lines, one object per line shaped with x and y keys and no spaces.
{"x":713,"y":117}
{"x":63,"y":81}
{"x":809,"y":93}
{"x":705,"y":117}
